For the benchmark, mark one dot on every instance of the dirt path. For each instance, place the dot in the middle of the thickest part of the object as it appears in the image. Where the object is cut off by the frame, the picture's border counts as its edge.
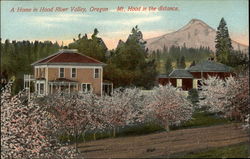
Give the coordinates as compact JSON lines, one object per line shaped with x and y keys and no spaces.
{"x":164,"y":144}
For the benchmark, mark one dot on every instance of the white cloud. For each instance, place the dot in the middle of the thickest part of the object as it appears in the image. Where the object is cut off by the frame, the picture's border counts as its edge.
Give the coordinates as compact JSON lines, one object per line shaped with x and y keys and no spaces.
{"x":51,"y":20}
{"x":134,"y":21}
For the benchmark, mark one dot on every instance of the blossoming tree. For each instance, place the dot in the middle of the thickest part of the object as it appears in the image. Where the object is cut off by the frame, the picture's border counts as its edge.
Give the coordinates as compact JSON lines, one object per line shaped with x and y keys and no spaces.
{"x":76,"y":113}
{"x":169,"y":106}
{"x":123,"y":107}
{"x":229,"y":96}
{"x":27,"y":130}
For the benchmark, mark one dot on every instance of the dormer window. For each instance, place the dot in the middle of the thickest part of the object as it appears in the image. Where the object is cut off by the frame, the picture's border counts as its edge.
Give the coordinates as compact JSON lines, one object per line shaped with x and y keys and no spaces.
{"x":61,"y":73}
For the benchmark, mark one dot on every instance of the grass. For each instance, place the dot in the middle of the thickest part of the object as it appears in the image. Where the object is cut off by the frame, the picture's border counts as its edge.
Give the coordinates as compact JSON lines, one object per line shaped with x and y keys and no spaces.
{"x":233,"y":151}
{"x":200,"y":119}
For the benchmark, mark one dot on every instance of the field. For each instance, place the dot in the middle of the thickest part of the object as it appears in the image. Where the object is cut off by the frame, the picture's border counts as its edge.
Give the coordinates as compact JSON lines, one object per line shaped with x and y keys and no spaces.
{"x":172,"y":144}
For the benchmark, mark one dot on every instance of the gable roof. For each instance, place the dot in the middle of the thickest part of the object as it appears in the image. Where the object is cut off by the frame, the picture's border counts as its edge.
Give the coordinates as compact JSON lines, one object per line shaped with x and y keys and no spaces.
{"x":68,"y":57}
{"x":210,"y":66}
{"x":180,"y":73}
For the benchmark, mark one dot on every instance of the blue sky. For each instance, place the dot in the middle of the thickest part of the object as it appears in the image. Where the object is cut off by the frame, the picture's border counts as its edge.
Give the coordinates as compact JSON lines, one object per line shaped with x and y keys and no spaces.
{"x":113,"y":25}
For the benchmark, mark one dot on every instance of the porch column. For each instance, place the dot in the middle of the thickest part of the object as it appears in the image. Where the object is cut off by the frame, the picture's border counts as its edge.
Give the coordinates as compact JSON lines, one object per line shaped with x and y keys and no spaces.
{"x":51,"y":88}
{"x":69,"y":87}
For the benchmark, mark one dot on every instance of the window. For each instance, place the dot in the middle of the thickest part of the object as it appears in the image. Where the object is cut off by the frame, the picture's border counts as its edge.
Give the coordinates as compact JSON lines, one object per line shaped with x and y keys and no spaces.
{"x":86,"y":87}
{"x":61,"y":73}
{"x":97,"y":73}
{"x":73,"y":73}
{"x":41,"y":88}
{"x":195,"y":83}
{"x":179,"y":83}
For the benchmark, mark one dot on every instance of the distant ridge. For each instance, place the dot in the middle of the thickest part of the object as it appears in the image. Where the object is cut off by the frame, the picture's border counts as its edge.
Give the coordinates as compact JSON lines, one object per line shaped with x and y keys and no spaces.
{"x":195,"y":34}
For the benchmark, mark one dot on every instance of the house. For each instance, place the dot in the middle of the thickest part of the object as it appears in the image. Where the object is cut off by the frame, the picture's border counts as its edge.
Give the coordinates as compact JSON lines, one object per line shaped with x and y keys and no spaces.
{"x":192,"y":77}
{"x":67,"y":70}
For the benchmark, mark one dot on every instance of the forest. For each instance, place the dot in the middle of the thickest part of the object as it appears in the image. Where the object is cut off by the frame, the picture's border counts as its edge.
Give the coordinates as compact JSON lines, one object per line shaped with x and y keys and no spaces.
{"x":128,"y":65}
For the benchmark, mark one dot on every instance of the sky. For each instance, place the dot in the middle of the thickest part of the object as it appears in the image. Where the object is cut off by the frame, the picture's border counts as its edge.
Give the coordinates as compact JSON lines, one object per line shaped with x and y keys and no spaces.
{"x":114,"y":25}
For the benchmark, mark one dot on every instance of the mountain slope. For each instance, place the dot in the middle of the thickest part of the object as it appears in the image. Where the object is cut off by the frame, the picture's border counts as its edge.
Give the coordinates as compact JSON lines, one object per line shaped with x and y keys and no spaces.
{"x":195,"y":34}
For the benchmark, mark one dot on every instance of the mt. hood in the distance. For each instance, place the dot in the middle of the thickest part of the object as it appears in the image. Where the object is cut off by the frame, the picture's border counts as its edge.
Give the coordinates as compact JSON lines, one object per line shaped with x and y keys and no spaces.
{"x":194,"y":35}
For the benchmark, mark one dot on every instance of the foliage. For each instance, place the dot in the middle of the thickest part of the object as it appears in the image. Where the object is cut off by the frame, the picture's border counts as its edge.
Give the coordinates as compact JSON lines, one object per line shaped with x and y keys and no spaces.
{"x":229,"y":97}
{"x":129,"y":66}
{"x":223,"y":42}
{"x":201,"y":118}
{"x":193,"y":96}
{"x":17,"y":57}
{"x":168,"y":66}
{"x":124,"y":107}
{"x":169,"y":106}
{"x":93,"y":47}
{"x":28,"y":130}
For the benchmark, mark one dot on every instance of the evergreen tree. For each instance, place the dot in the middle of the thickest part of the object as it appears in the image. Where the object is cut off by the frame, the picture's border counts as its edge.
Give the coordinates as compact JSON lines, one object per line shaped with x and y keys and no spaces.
{"x":168,"y":66}
{"x":93,"y":47}
{"x":192,"y":64}
{"x":129,"y":65}
{"x":223,"y":43}
{"x":182,"y":63}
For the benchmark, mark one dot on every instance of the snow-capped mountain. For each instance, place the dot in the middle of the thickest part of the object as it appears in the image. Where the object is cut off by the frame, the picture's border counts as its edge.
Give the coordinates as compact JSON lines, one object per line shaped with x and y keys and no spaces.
{"x":194,"y":34}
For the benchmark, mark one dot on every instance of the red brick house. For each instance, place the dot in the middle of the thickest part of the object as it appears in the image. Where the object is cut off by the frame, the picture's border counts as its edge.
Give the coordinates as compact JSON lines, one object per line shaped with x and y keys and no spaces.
{"x":191,"y":77}
{"x":67,"y":70}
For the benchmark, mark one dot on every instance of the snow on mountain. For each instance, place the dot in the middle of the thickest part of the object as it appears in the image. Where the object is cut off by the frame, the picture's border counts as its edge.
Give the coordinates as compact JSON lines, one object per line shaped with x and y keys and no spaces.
{"x":194,"y":34}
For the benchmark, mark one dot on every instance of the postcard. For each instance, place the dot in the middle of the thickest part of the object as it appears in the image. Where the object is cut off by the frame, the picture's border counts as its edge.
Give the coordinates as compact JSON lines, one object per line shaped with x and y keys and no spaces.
{"x":124,"y":79}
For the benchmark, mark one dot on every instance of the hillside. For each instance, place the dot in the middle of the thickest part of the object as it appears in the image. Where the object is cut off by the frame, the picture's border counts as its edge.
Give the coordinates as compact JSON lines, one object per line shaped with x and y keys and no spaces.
{"x":194,"y":34}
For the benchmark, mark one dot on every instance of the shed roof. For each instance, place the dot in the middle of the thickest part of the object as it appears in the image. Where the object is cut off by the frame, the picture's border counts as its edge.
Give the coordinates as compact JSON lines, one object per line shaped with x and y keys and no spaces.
{"x":210,"y":66}
{"x":180,"y":73}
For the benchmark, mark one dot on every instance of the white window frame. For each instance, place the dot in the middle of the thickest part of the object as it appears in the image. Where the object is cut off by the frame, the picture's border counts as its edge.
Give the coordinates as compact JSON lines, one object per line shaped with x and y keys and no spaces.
{"x":59,"y":75}
{"x":38,"y":88}
{"x":98,"y":72}
{"x":71,"y":72}
{"x":86,"y":91}
{"x":178,"y":82}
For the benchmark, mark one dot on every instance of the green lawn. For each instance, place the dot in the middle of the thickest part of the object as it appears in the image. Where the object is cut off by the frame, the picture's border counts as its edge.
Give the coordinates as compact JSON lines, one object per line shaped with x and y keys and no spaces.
{"x":202,"y":119}
{"x":233,"y":151}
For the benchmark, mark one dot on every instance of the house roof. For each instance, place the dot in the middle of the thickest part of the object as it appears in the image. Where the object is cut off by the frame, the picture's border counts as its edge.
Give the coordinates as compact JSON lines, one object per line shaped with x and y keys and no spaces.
{"x":210,"y":66}
{"x":68,"y":57}
{"x":180,"y":73}
{"x":162,"y":76}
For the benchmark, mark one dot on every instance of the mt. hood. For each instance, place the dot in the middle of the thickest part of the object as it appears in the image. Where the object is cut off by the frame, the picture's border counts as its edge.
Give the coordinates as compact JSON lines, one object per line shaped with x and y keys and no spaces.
{"x":195,"y":34}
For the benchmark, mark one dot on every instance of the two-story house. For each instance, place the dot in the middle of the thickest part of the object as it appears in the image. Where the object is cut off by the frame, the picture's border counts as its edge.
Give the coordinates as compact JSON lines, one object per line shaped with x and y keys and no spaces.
{"x":67,"y":70}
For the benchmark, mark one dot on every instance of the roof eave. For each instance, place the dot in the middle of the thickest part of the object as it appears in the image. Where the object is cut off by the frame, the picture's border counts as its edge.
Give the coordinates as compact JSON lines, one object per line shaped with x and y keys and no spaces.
{"x":70,"y":64}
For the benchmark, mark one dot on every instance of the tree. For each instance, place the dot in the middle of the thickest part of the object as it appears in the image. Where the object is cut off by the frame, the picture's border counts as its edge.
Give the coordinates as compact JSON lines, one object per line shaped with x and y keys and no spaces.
{"x":168,"y":66}
{"x":75,"y":113}
{"x":169,"y":106}
{"x":28,"y":130}
{"x":93,"y":47}
{"x":124,"y":107}
{"x":192,"y":64}
{"x":223,"y":42}
{"x":182,"y":63}
{"x":129,"y":64}
{"x":227,"y":97}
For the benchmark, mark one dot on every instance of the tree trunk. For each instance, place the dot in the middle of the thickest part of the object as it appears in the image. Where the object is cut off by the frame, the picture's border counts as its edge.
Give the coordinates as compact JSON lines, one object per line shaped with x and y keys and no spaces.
{"x":113,"y":132}
{"x":166,"y":126}
{"x":94,"y":136}
{"x":76,"y":143}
